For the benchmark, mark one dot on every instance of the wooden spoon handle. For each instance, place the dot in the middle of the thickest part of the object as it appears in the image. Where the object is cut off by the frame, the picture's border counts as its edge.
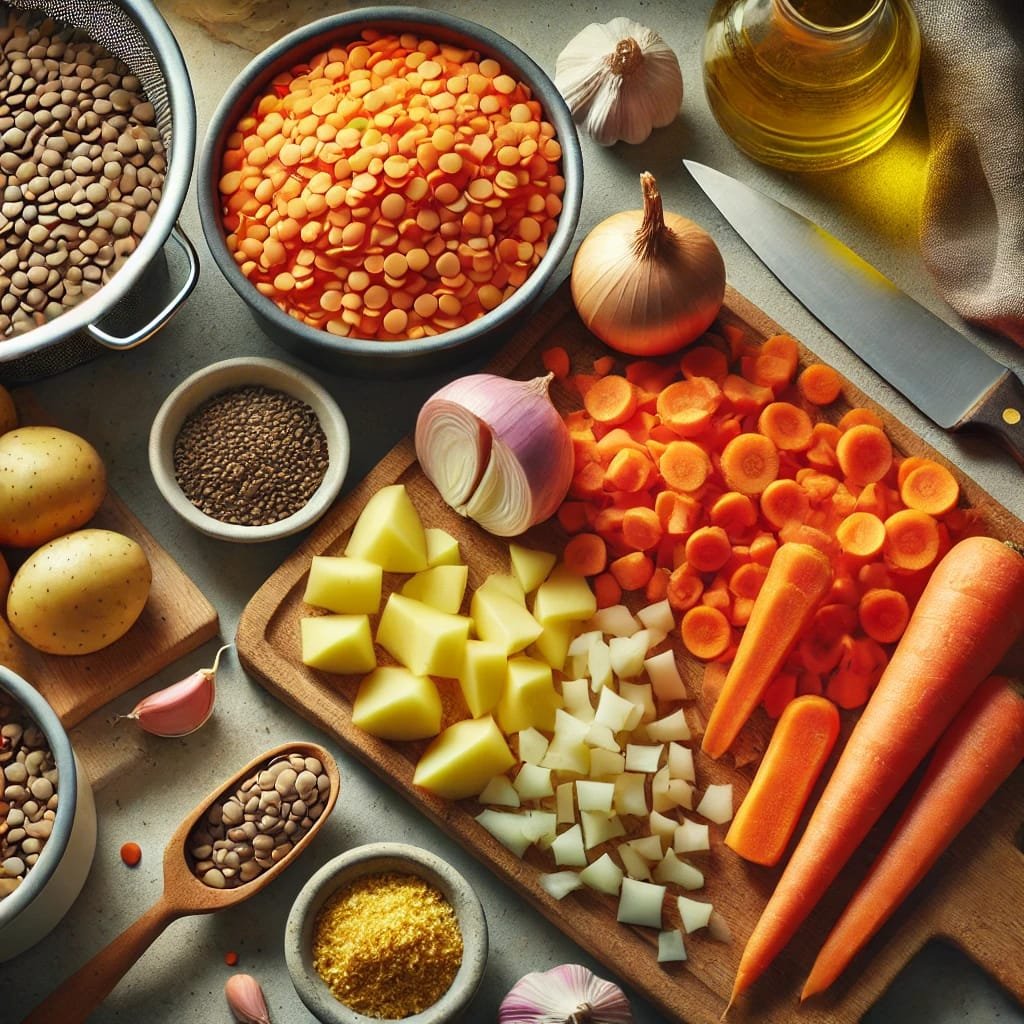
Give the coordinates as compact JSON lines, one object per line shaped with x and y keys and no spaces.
{"x":88,"y":987}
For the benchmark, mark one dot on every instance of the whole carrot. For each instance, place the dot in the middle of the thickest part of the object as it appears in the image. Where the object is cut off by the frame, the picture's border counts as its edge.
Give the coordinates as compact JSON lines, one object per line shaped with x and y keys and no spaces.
{"x":976,"y":754}
{"x":967,"y":617}
{"x":798,"y":578}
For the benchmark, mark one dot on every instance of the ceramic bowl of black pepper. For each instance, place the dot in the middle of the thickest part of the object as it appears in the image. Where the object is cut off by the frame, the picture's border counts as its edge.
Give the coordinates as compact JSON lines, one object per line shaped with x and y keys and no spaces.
{"x":249,"y":450}
{"x":386,"y":932}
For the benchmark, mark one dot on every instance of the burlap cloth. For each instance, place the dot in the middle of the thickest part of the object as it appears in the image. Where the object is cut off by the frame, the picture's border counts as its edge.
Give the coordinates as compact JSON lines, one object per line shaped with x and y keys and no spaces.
{"x":972,"y":234}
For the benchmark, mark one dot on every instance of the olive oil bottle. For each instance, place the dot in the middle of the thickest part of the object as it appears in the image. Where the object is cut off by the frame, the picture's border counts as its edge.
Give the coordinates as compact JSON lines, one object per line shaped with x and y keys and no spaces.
{"x":810,"y":84}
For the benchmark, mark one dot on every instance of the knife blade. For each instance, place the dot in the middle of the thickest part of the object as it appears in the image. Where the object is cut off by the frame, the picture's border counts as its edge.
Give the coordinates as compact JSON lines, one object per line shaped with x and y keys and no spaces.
{"x":948,"y":378}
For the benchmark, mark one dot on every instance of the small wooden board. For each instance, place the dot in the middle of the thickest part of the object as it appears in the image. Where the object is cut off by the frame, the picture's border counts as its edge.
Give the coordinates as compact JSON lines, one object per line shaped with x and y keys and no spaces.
{"x":177,"y":619}
{"x":973,"y":897}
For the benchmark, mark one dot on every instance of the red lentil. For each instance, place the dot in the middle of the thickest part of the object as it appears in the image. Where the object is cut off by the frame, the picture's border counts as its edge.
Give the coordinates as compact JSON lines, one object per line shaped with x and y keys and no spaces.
{"x":131,"y":854}
{"x":392,"y":188}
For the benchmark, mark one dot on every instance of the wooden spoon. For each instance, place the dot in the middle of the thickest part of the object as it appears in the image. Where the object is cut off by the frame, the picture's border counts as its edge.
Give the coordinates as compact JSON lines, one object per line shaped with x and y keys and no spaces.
{"x":183,"y":894}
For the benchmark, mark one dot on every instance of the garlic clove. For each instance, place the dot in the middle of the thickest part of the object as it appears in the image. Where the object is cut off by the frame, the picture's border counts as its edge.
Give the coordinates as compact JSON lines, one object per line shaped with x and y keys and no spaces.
{"x":245,"y":999}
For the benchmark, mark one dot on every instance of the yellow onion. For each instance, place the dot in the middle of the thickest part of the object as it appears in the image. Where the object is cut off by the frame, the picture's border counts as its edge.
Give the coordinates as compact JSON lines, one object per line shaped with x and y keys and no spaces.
{"x":497,"y":450}
{"x":646,"y":282}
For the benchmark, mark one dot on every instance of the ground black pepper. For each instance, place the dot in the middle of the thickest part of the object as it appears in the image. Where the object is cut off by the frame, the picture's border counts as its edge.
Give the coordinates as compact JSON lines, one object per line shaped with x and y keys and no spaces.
{"x":250,"y":456}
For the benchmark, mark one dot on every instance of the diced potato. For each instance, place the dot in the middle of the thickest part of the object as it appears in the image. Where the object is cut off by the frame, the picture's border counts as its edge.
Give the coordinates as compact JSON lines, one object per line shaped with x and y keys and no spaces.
{"x":641,"y":695}
{"x":628,"y":653}
{"x":565,"y":809}
{"x":338,"y":643}
{"x":678,"y":872}
{"x":463,"y":759}
{"x":640,"y":903}
{"x":541,"y":827}
{"x":482,"y":677}
{"x":716,"y":804}
{"x":559,"y":884}
{"x":568,"y":848}
{"x":347,"y":585}
{"x":531,"y":746}
{"x":649,"y":847}
{"x":499,"y":792}
{"x":631,"y":794}
{"x":635,"y":865}
{"x":615,"y":620}
{"x":389,"y":532}
{"x":671,"y":727}
{"x":508,"y":828}
{"x":613,"y":711}
{"x":567,"y":751}
{"x":664,"y":676}
{"x":693,"y":913}
{"x":662,"y":826}
{"x":604,"y":875}
{"x":691,"y":837}
{"x":576,"y":694}
{"x":552,"y":645}
{"x":599,"y":827}
{"x":423,"y":639}
{"x":680,"y":762}
{"x":606,"y":764}
{"x":442,"y":587}
{"x":599,"y":665}
{"x":395,"y":704}
{"x":671,"y":948}
{"x":643,"y":757}
{"x":529,"y":698}
{"x":602,"y":737}
{"x":564,"y":596}
{"x":533,"y":782}
{"x":442,"y":547}
{"x":502,"y":583}
{"x":594,"y":796}
{"x":658,"y":617}
{"x":531,"y":567}
{"x":502,"y":620}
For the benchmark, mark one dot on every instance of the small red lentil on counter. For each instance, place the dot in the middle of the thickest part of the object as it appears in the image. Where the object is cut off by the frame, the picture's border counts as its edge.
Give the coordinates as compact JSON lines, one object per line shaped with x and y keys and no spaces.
{"x":391,"y":188}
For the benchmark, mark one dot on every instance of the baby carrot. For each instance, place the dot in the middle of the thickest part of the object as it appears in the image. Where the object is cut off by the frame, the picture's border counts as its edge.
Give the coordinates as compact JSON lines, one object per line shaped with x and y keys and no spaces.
{"x":980,"y":749}
{"x":979,"y":586}
{"x":797,"y":580}
{"x":800,"y":745}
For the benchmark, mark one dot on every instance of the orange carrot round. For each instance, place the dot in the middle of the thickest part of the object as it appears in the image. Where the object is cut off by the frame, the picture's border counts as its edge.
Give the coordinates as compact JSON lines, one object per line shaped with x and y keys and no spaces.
{"x":632,"y":571}
{"x":930,"y":487}
{"x":819,"y":384}
{"x":884,"y":615}
{"x":733,"y":512}
{"x":686,"y":406}
{"x":800,"y":745}
{"x":911,"y":540}
{"x":641,"y":528}
{"x":684,"y":466}
{"x":606,"y":590}
{"x":748,"y":580}
{"x":556,"y":360}
{"x":705,"y":632}
{"x":708,"y":549}
{"x":684,"y":588}
{"x":864,"y":453}
{"x":611,"y":400}
{"x":585,"y":554}
{"x":784,"y":501}
{"x":859,"y":416}
{"x":704,"y":361}
{"x":979,"y":587}
{"x":787,"y":425}
{"x":861,"y":535}
{"x":750,"y":462}
{"x":629,"y":470}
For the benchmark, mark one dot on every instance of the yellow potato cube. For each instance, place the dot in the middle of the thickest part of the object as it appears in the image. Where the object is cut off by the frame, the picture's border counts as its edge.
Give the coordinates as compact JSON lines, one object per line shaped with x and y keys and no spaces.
{"x":463,"y":759}
{"x":338,"y":643}
{"x":396,"y":704}
{"x":347,"y":585}
{"x":442,"y":547}
{"x":503,"y":620}
{"x":442,"y":587}
{"x":484,"y":670}
{"x":552,"y":645}
{"x":389,"y":532}
{"x":529,"y":698}
{"x":424,"y":640}
{"x":502,"y":583}
{"x":531,"y":567}
{"x":564,"y":597}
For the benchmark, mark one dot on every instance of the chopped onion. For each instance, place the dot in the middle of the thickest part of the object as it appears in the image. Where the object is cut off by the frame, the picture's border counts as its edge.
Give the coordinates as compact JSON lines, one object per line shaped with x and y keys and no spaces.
{"x":670,"y":946}
{"x":604,"y":875}
{"x":559,"y":884}
{"x":690,"y":836}
{"x":497,"y":450}
{"x":693,"y":913}
{"x":568,"y":848}
{"x":635,"y":865}
{"x":672,"y":869}
{"x":640,"y":903}
{"x":716,"y":804}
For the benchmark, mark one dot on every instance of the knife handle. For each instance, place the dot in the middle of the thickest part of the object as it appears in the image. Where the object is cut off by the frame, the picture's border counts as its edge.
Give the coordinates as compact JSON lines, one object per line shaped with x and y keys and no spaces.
{"x":1001,"y":410}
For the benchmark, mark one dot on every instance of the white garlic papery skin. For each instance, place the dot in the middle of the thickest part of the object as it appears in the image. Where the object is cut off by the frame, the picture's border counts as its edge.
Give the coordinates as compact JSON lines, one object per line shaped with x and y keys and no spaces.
{"x":568,"y":994}
{"x":621,"y":81}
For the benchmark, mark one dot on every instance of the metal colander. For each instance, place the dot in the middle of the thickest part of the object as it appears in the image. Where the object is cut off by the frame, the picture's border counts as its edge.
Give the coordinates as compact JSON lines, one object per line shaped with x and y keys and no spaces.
{"x":149,"y":288}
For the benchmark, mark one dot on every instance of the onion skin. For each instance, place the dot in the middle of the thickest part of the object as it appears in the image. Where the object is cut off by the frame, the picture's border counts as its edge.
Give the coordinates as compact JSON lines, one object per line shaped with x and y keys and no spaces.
{"x":648,"y":283}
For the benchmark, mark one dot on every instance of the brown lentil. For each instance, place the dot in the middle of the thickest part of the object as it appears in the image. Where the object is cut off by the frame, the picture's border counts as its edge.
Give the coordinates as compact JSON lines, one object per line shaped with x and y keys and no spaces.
{"x":388,"y":945}
{"x":28,"y":797}
{"x":253,"y":828}
{"x":76,"y":132}
{"x":250,"y":456}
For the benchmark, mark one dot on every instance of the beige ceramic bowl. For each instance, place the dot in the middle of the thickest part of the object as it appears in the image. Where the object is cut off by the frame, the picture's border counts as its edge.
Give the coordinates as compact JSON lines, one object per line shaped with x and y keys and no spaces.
{"x":235,"y":373}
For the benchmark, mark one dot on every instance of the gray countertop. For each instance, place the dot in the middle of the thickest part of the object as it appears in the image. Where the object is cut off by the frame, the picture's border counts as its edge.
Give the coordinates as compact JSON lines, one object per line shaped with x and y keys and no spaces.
{"x":873,"y":206}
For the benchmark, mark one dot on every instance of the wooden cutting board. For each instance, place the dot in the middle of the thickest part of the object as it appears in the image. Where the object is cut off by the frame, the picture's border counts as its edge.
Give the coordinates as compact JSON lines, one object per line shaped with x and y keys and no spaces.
{"x":973,"y":897}
{"x":177,"y":619}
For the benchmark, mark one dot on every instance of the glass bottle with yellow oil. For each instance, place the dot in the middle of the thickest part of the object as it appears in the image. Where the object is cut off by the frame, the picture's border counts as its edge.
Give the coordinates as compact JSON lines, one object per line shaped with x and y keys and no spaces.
{"x":810,"y":84}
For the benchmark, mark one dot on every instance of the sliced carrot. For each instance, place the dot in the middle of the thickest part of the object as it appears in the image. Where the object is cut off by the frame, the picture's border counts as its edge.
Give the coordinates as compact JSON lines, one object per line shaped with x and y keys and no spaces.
{"x":735,"y":513}
{"x":741,"y":609}
{"x":657,"y":586}
{"x":749,"y":463}
{"x":639,"y":425}
{"x":704,"y":361}
{"x":788,"y":426}
{"x":859,"y":416}
{"x":629,"y":470}
{"x":604,"y":365}
{"x":861,"y":535}
{"x":797,"y":752}
{"x":679,"y":514}
{"x":684,"y":588}
{"x":556,"y":360}
{"x":905,"y":466}
{"x":821,"y":452}
{"x":820,"y":487}
{"x":911,"y":540}
{"x":686,"y":406}
{"x":844,"y":590}
{"x":809,"y":683}
{"x":819,"y":384}
{"x":572,"y":515}
{"x":864,"y":453}
{"x":874,"y":498}
{"x":748,"y":579}
{"x":632,"y":571}
{"x":743,"y":395}
{"x":763,"y":548}
{"x":649,"y":376}
{"x":722,"y":430}
{"x":583,"y":382}
{"x":804,"y":533}
{"x":930,"y":487}
{"x":781,"y":690}
{"x":705,"y":631}
{"x":848,"y":688}
{"x":818,"y":653}
{"x":874,"y":575}
{"x":884,"y":615}
{"x":586,"y":554}
{"x":784,"y":501}
{"x":588,"y":481}
{"x":776,"y":363}
{"x":834,"y":621}
{"x":717,"y":596}
{"x":708,"y":549}
{"x":608,"y":521}
{"x":641,"y":528}
{"x":684,"y":465}
{"x":606,"y":590}
{"x":611,"y":400}
{"x":799,"y":577}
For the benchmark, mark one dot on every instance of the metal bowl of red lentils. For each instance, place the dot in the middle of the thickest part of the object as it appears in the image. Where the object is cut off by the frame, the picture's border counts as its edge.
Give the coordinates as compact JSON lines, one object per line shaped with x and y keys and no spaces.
{"x":387,"y":932}
{"x":390,"y":188}
{"x":249,"y":450}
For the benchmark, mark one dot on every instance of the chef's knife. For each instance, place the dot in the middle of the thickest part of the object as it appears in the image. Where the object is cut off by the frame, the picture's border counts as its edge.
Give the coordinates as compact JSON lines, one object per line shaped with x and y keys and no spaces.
{"x":938,"y":369}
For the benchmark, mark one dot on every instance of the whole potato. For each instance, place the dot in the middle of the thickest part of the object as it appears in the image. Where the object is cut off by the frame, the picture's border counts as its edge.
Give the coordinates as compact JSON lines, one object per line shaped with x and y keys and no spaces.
{"x":80,"y":592}
{"x":51,"y":482}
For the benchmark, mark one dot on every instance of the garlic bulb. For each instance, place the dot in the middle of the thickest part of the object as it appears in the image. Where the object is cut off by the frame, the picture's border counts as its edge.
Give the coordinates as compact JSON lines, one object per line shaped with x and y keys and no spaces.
{"x":569,"y":994}
{"x":621,"y":81}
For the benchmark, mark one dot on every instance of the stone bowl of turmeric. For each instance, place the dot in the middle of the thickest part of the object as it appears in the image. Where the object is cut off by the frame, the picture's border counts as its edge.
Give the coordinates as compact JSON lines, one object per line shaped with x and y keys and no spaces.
{"x":388,"y":188}
{"x":386,"y":932}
